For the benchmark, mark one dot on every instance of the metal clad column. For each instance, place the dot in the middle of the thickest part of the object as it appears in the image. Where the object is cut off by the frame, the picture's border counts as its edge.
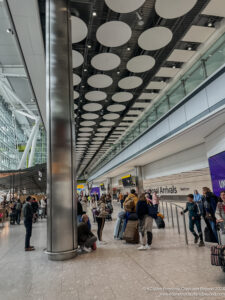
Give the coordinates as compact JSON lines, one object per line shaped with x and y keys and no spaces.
{"x":62,"y":233}
{"x":139,"y":179}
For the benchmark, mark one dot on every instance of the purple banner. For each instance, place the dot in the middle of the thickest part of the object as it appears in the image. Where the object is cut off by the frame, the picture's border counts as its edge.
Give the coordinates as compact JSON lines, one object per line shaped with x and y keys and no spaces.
{"x":217,"y":170}
{"x":95,"y":189}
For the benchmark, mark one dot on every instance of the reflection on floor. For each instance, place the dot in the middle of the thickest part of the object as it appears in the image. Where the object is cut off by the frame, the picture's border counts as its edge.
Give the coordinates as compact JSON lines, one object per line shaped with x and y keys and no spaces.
{"x":114,"y":271}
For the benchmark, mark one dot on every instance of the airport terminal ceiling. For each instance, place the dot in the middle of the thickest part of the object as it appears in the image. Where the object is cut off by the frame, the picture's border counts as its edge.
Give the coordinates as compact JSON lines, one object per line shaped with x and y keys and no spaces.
{"x":124,"y":54}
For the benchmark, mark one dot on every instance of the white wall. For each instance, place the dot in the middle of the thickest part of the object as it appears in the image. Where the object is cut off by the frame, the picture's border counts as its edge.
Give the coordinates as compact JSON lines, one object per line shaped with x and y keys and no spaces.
{"x":191,"y":159}
{"x":215,"y":142}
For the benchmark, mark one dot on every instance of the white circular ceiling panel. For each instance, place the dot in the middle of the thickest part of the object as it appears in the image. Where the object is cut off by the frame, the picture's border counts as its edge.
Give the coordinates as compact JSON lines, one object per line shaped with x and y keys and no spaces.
{"x":130,"y":82}
{"x":77,"y":58}
{"x":111,"y":116}
{"x":101,"y":133}
{"x":75,"y":106}
{"x":124,"y":6}
{"x":105,"y":61}
{"x":116,"y":107}
{"x":76,"y":79}
{"x":155,"y":38}
{"x":89,"y":116}
{"x":84,"y":134}
{"x":96,"y":96}
{"x":86,"y":129}
{"x":92,"y":107}
{"x":113,"y":34}
{"x":122,"y":97}
{"x":100,"y":81}
{"x":107,"y":123}
{"x":88,"y":123}
{"x":104,"y":129}
{"x":170,"y":9}
{"x":141,"y":63}
{"x":79,"y":30}
{"x":75,"y":95}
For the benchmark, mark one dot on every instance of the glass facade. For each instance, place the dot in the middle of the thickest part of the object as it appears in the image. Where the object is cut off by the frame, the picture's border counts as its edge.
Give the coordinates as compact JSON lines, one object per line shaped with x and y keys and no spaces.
{"x":11,"y":138}
{"x":210,"y":62}
{"x":41,"y":148}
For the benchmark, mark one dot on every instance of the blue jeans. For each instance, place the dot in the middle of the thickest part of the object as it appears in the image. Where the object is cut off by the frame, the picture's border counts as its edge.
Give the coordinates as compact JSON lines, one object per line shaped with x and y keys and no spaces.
{"x":213,"y":226}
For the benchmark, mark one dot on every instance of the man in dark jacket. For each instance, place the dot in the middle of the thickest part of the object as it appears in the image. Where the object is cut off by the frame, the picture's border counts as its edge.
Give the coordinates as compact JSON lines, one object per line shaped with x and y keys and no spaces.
{"x":28,"y":217}
{"x":86,"y":239}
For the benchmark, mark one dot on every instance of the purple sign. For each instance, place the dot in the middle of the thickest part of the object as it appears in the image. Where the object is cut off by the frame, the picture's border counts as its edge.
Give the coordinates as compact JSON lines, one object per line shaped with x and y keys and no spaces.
{"x":217,"y":170}
{"x":95,"y":189}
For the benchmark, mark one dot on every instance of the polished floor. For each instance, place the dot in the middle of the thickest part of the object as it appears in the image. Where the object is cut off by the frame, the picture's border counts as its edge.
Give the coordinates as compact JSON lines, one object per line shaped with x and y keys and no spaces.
{"x":114,"y":271}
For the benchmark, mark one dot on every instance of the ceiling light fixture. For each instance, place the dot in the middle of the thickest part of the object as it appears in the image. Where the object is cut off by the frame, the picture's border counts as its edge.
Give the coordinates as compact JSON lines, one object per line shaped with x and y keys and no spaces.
{"x":210,"y":24}
{"x":94,"y":14}
{"x":89,"y":46}
{"x":85,"y":70}
{"x":189,"y":48}
{"x":174,"y":67}
{"x":140,"y":19}
{"x":9,"y":30}
{"x":128,"y":48}
{"x":118,"y":72}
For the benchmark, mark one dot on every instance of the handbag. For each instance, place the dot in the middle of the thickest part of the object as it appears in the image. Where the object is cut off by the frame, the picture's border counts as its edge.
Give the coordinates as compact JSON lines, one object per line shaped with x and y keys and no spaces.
{"x":152,"y":210}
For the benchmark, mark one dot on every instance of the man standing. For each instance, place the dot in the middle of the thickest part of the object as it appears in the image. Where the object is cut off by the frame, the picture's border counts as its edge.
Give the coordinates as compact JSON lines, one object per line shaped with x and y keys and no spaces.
{"x":28,"y":217}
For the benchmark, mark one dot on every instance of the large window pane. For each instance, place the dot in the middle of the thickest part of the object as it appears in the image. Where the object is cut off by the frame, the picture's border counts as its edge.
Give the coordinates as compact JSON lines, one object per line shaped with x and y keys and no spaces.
{"x":162,"y":108}
{"x":195,"y":78}
{"x":176,"y":95}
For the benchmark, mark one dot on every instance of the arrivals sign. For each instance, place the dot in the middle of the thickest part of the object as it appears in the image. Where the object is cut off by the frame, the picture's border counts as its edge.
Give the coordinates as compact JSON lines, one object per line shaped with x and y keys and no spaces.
{"x":165,"y":190}
{"x":217,"y":171}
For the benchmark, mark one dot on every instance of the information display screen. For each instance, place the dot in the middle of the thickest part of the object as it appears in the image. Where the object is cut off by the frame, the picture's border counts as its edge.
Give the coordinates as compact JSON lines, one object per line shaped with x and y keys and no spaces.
{"x":127,"y":180}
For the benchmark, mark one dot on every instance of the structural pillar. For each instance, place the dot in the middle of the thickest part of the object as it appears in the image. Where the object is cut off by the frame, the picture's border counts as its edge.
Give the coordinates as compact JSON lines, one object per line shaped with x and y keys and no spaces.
{"x":109,"y":186}
{"x":62,"y":231}
{"x":139,"y":180}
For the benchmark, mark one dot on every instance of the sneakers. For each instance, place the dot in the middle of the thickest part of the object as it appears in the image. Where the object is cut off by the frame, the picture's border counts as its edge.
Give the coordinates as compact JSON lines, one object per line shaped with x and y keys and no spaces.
{"x":102,"y":243}
{"x":87,"y":250}
{"x":147,"y":247}
{"x":142,"y":247}
{"x":201,"y":244}
{"x":196,"y":239}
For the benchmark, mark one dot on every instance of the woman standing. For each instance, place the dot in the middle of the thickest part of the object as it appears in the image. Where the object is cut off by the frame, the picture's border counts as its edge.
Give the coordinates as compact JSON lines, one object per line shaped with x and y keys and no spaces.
{"x":145,"y":222}
{"x":101,"y":214}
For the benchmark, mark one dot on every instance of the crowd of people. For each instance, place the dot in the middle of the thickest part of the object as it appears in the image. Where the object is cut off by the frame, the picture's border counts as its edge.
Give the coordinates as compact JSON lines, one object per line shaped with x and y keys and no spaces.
{"x":31,"y":209}
{"x":143,"y":209}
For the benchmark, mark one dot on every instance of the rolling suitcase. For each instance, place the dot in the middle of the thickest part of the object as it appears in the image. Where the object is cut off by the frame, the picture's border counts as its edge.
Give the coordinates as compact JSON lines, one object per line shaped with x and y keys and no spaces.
{"x":131,"y":234}
{"x":119,"y":226}
{"x":218,"y":255}
{"x":209,"y":236}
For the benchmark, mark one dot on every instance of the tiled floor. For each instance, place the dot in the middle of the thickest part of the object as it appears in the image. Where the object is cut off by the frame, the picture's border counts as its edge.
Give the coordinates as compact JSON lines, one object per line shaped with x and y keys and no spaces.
{"x":114,"y":271}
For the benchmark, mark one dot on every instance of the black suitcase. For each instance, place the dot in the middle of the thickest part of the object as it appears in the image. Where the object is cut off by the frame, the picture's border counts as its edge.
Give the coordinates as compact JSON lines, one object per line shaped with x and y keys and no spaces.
{"x":209,"y":236}
{"x":160,"y":222}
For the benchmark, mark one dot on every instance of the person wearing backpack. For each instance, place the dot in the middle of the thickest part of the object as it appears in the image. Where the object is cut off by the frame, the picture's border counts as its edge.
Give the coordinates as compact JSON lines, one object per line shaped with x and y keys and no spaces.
{"x":146,"y":211}
{"x":130,"y":202}
{"x":18,"y":211}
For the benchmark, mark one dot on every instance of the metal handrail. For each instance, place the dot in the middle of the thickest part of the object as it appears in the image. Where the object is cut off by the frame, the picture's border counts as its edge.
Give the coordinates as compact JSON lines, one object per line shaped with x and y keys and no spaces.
{"x":177,"y":216}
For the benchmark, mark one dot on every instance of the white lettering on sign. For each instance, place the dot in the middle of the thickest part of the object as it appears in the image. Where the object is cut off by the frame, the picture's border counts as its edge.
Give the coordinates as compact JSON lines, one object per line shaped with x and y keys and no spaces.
{"x":222,"y":183}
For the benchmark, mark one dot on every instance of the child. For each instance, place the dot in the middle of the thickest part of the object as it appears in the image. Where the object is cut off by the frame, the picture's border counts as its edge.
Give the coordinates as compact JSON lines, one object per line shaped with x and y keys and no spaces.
{"x":194,"y":219}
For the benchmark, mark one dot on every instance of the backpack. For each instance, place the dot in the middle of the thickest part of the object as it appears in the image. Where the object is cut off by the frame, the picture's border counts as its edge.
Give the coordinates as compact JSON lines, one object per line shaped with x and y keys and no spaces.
{"x":18,"y":206}
{"x":128,"y":204}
